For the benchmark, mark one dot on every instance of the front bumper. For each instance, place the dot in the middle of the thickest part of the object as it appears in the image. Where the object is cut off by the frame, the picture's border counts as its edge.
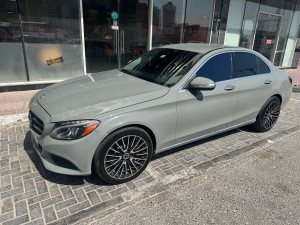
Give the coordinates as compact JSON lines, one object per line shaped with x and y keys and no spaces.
{"x":66,"y":157}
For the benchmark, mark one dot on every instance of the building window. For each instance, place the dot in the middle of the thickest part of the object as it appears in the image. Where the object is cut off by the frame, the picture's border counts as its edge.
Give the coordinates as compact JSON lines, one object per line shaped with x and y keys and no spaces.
{"x":52,"y":37}
{"x":168,"y":19}
{"x":11,"y":55}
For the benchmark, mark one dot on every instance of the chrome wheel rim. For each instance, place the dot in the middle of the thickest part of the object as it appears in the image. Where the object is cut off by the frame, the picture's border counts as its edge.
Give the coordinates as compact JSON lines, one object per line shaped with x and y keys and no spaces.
{"x":126,"y":157}
{"x":271,"y":114}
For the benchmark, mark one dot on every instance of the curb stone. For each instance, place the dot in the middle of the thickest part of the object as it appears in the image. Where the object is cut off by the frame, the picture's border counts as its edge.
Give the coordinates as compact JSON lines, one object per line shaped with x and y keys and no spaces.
{"x":12,"y":119}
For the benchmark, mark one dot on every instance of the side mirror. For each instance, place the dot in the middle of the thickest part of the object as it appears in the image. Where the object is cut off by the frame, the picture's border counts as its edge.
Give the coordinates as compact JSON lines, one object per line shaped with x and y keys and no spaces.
{"x":202,"y":83}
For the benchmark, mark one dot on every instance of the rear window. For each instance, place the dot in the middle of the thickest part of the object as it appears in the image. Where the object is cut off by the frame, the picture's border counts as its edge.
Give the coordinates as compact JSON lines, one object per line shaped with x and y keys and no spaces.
{"x":262,"y":66}
{"x":246,"y":64}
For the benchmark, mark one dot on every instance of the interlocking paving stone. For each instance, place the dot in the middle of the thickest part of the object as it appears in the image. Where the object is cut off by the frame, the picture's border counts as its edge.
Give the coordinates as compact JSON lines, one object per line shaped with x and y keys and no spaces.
{"x":41,"y":187}
{"x":38,"y":198}
{"x":65,"y":204}
{"x":51,"y":201}
{"x":67,"y":193}
{"x":130,"y":185}
{"x":35,"y":211}
{"x":25,"y":195}
{"x":11,"y":193}
{"x":105,"y":189}
{"x":62,"y":213}
{"x":118,"y":191}
{"x":21,"y":208}
{"x":105,"y":197}
{"x":54,"y":190}
{"x":32,"y":195}
{"x":29,"y":185}
{"x":6,"y":216}
{"x":18,"y":220}
{"x":79,"y":206}
{"x":93,"y":197}
{"x":7,"y":205}
{"x":49,"y":214}
{"x":36,"y":222}
{"x":80,"y":195}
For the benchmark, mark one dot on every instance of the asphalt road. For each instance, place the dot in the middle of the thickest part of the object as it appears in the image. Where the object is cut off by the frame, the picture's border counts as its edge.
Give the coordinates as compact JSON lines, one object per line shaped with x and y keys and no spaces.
{"x":259,"y":187}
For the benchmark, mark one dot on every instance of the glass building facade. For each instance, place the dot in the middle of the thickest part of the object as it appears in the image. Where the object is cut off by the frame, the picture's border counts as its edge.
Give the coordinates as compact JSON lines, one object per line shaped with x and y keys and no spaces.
{"x":52,"y":40}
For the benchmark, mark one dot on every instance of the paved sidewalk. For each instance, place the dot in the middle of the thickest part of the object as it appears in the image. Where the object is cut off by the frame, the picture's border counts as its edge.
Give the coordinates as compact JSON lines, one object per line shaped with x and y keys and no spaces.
{"x":295,"y":74}
{"x":15,"y":102}
{"x":32,"y":195}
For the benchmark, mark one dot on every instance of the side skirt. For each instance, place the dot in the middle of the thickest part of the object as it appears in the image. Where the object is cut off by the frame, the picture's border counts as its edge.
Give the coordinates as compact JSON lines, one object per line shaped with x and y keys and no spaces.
{"x":206,"y":135}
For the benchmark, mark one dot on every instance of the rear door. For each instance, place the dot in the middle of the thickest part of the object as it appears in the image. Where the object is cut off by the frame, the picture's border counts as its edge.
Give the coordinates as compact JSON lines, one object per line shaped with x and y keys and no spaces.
{"x":204,"y":112}
{"x":255,"y":82}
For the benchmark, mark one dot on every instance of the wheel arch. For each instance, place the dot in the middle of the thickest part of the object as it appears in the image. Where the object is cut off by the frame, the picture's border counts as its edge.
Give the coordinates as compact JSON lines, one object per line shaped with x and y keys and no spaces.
{"x":278,"y":96}
{"x":145,"y":128}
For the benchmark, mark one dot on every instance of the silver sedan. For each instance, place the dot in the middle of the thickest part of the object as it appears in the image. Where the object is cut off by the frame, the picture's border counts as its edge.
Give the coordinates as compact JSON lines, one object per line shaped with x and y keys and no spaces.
{"x":115,"y":121}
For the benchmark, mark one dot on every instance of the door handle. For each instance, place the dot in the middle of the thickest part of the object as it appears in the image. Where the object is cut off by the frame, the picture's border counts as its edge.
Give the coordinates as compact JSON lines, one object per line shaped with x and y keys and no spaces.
{"x":268,"y":81}
{"x":229,"y":88}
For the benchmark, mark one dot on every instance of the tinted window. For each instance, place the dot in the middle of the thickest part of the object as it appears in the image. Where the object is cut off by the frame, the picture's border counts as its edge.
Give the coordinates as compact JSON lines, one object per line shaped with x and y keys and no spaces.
{"x":246,"y":64}
{"x":217,"y":68}
{"x":262,"y":66}
{"x":162,"y":65}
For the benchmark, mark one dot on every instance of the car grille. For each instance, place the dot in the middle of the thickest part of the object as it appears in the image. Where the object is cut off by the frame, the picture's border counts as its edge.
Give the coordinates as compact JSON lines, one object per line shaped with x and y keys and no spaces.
{"x":35,"y":123}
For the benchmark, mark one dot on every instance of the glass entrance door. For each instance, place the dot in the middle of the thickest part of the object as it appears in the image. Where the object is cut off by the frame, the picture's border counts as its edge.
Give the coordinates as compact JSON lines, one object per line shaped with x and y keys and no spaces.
{"x":111,"y":43}
{"x":266,"y":35}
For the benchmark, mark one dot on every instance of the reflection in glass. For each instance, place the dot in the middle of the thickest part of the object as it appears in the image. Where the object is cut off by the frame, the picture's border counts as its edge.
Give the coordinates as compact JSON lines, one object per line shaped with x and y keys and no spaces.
{"x":272,"y":6}
{"x":167,"y":21}
{"x":284,"y":31}
{"x":162,"y":65}
{"x":100,"y":39}
{"x":249,"y":21}
{"x":107,"y":48}
{"x":198,"y":21}
{"x":133,"y":29}
{"x":268,"y":28}
{"x":11,"y":54}
{"x":293,"y":50}
{"x":266,"y":35}
{"x":220,"y":21}
{"x":52,"y":38}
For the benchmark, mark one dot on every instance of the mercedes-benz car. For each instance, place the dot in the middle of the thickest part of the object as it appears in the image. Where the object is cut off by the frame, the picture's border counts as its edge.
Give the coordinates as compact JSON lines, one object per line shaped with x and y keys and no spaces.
{"x":113,"y":122}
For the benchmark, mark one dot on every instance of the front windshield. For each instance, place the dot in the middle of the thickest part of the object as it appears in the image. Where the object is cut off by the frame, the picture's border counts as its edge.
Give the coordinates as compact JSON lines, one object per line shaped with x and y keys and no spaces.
{"x":162,"y":66}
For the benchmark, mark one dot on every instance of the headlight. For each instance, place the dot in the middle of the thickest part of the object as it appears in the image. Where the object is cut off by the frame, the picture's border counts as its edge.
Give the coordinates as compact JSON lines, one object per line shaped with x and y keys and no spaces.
{"x":71,"y":130}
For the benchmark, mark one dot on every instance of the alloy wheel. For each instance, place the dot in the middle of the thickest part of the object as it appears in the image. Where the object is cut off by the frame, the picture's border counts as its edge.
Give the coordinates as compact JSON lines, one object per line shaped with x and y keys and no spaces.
{"x":271,"y":114}
{"x":126,"y":157}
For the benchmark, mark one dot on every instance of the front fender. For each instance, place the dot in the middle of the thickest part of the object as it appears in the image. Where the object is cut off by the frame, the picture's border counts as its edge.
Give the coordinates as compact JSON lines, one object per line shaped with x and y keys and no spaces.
{"x":161,"y":120}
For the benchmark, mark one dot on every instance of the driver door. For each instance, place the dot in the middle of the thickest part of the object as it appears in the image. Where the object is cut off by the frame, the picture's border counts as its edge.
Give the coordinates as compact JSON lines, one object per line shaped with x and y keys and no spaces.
{"x":201,"y":112}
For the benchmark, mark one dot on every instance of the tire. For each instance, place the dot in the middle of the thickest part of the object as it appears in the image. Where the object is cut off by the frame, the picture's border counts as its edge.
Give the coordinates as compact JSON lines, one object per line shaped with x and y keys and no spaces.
{"x":268,"y":115}
{"x":123,"y":155}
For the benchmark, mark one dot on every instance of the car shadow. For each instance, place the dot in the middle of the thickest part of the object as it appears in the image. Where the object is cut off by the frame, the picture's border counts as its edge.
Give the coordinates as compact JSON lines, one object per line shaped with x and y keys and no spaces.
{"x":55,"y":177}
{"x":197,"y":94}
{"x":193,"y":144}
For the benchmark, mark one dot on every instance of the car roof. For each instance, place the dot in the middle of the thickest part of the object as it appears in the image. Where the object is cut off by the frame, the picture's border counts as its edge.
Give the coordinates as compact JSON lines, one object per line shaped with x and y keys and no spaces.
{"x":202,"y":47}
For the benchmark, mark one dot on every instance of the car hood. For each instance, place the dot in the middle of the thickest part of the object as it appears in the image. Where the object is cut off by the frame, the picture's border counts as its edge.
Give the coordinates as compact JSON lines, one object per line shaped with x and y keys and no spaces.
{"x":87,"y":96}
